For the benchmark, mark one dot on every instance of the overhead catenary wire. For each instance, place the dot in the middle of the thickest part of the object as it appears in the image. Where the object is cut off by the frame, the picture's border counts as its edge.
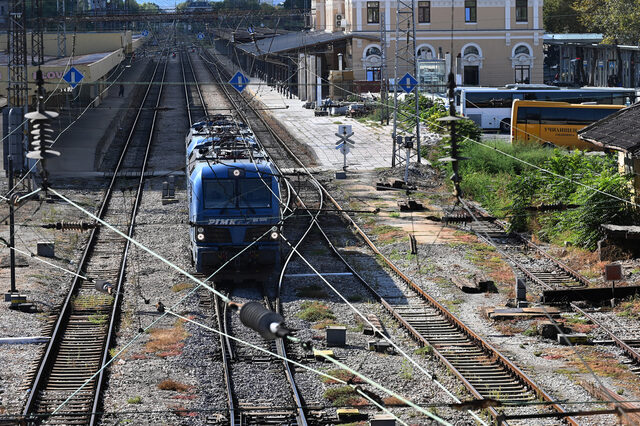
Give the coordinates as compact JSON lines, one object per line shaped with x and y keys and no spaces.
{"x":313,"y":370}
{"x":136,"y":337}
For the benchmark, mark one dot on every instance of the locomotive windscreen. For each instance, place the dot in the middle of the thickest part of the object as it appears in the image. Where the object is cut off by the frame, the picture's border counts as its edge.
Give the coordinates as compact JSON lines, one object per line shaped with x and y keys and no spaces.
{"x":218,"y":194}
{"x":254,"y":193}
{"x":236,"y":193}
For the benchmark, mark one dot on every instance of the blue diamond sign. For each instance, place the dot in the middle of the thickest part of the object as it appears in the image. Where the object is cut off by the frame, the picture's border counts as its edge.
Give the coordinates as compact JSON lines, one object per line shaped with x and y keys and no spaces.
{"x":73,"y":77}
{"x":408,"y":83}
{"x":200,"y":36}
{"x":145,"y":33}
{"x":239,"y":81}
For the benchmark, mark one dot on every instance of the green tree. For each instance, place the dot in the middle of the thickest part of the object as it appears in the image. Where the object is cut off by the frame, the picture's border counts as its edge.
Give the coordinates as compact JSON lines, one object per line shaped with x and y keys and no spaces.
{"x":560,"y":16}
{"x":618,"y":20}
{"x":149,"y":7}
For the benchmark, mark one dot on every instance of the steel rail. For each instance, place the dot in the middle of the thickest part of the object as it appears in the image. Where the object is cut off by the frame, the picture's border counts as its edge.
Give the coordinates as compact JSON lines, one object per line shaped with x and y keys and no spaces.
{"x":461,"y":326}
{"x":123,"y":262}
{"x":189,"y":95}
{"x":226,"y":350}
{"x":225,"y":346}
{"x":631,"y":352}
{"x":280,"y":345}
{"x":628,"y":350}
{"x":63,"y":317}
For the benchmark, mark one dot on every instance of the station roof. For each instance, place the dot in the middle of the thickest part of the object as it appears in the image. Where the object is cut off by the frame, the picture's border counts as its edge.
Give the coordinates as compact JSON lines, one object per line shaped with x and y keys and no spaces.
{"x":52,"y":61}
{"x":295,"y":41}
{"x":572,"y":38}
{"x":619,"y":131}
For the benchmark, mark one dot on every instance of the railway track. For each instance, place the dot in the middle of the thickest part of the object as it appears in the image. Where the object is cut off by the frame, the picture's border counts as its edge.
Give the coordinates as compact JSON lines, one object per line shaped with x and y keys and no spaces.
{"x":85,"y":327}
{"x":248,"y":412}
{"x":552,"y":275}
{"x":546,"y":273}
{"x":484,"y":371}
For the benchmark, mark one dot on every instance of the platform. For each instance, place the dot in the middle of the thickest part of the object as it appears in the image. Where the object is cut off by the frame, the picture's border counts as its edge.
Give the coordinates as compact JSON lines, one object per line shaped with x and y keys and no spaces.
{"x":372,"y":141}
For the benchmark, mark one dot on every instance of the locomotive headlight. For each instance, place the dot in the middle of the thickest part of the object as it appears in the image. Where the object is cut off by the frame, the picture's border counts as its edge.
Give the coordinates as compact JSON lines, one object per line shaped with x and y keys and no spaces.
{"x":274,"y":233}
{"x":200,"y":237}
{"x":236,"y":172}
{"x":200,"y":229}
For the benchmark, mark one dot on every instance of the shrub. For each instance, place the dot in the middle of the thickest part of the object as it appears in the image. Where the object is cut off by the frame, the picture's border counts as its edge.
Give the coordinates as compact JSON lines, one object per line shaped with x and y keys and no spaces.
{"x":315,"y":311}
{"x":135,"y":400}
{"x":172,"y":385}
{"x":342,"y":396}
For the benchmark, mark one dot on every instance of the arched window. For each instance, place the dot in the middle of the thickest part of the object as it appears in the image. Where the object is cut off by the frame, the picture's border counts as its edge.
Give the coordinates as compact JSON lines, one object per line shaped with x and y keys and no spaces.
{"x":371,"y":61}
{"x":522,"y":63}
{"x":425,"y":52}
{"x":471,"y":50}
{"x":372,"y":50}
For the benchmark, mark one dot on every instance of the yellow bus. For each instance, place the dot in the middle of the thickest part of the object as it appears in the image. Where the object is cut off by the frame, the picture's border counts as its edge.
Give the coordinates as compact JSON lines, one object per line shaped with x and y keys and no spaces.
{"x":555,"y":122}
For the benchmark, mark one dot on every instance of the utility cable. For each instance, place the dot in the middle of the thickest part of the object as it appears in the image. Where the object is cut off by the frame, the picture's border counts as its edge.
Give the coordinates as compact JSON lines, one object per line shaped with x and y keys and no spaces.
{"x":527,"y":163}
{"x":136,"y":337}
{"x":376,"y":329}
{"x":311,"y":369}
{"x":151,"y":252}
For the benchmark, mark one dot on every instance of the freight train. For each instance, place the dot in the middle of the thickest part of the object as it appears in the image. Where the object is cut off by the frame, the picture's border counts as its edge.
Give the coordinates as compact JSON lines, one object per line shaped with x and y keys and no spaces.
{"x":234,"y":200}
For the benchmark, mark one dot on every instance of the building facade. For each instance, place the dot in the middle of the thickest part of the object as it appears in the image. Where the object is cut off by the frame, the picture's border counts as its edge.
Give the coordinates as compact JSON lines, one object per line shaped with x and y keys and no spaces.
{"x":488,"y":42}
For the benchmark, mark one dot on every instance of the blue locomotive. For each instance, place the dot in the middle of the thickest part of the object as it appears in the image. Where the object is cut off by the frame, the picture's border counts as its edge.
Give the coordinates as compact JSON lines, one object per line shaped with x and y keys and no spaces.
{"x":234,"y":200}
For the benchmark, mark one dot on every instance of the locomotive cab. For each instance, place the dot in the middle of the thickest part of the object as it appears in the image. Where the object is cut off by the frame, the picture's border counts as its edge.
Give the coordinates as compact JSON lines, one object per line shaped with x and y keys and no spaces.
{"x":234,"y":208}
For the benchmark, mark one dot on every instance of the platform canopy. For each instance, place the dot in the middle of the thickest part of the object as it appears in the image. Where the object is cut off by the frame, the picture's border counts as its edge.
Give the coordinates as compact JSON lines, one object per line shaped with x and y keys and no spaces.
{"x":295,"y":41}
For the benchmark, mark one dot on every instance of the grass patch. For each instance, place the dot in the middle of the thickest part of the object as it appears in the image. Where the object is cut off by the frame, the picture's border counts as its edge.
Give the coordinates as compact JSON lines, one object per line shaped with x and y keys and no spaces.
{"x":181,"y":286}
{"x":166,"y":342}
{"x":424,"y":351}
{"x":394,"y":215}
{"x":509,"y":327}
{"x":135,"y":400}
{"x":98,"y":319}
{"x":312,"y":290}
{"x":406,"y":370}
{"x":172,"y":385}
{"x":326,"y":323}
{"x":341,"y":374}
{"x":315,"y":311}
{"x":531,"y":331}
{"x":92,"y":301}
{"x":392,"y":401}
{"x":629,"y":308}
{"x":343,"y":396}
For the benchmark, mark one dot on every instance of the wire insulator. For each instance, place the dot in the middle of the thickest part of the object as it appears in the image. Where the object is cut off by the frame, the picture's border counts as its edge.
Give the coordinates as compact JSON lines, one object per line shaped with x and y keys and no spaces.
{"x":70,"y":226}
{"x":267,"y":323}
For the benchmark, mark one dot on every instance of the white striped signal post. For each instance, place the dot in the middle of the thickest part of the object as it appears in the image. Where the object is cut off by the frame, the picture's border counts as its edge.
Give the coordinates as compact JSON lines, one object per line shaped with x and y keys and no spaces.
{"x":344,"y":143}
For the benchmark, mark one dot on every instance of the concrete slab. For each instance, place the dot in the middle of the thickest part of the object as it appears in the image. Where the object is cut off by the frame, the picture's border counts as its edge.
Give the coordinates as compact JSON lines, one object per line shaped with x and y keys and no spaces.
{"x":83,"y":144}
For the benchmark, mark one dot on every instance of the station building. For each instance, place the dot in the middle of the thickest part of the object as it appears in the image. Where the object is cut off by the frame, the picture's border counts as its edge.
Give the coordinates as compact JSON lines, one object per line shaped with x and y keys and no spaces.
{"x":488,"y":43}
{"x":492,"y":42}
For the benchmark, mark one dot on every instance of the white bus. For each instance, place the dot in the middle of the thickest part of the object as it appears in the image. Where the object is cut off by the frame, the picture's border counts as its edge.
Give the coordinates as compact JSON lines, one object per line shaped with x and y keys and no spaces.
{"x":490,"y":107}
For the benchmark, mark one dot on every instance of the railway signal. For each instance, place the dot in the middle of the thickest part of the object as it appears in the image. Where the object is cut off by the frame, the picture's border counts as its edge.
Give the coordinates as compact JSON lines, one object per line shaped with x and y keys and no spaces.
{"x":344,"y":143}
{"x":239,"y":81}
{"x":73,"y":77}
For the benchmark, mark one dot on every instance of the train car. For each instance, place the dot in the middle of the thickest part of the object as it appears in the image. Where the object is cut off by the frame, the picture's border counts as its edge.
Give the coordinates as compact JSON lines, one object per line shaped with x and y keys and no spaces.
{"x":234,"y":200}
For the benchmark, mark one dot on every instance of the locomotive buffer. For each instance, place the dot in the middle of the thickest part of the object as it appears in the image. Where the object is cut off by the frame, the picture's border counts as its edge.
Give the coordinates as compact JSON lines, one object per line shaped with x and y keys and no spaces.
{"x":344,"y":143}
